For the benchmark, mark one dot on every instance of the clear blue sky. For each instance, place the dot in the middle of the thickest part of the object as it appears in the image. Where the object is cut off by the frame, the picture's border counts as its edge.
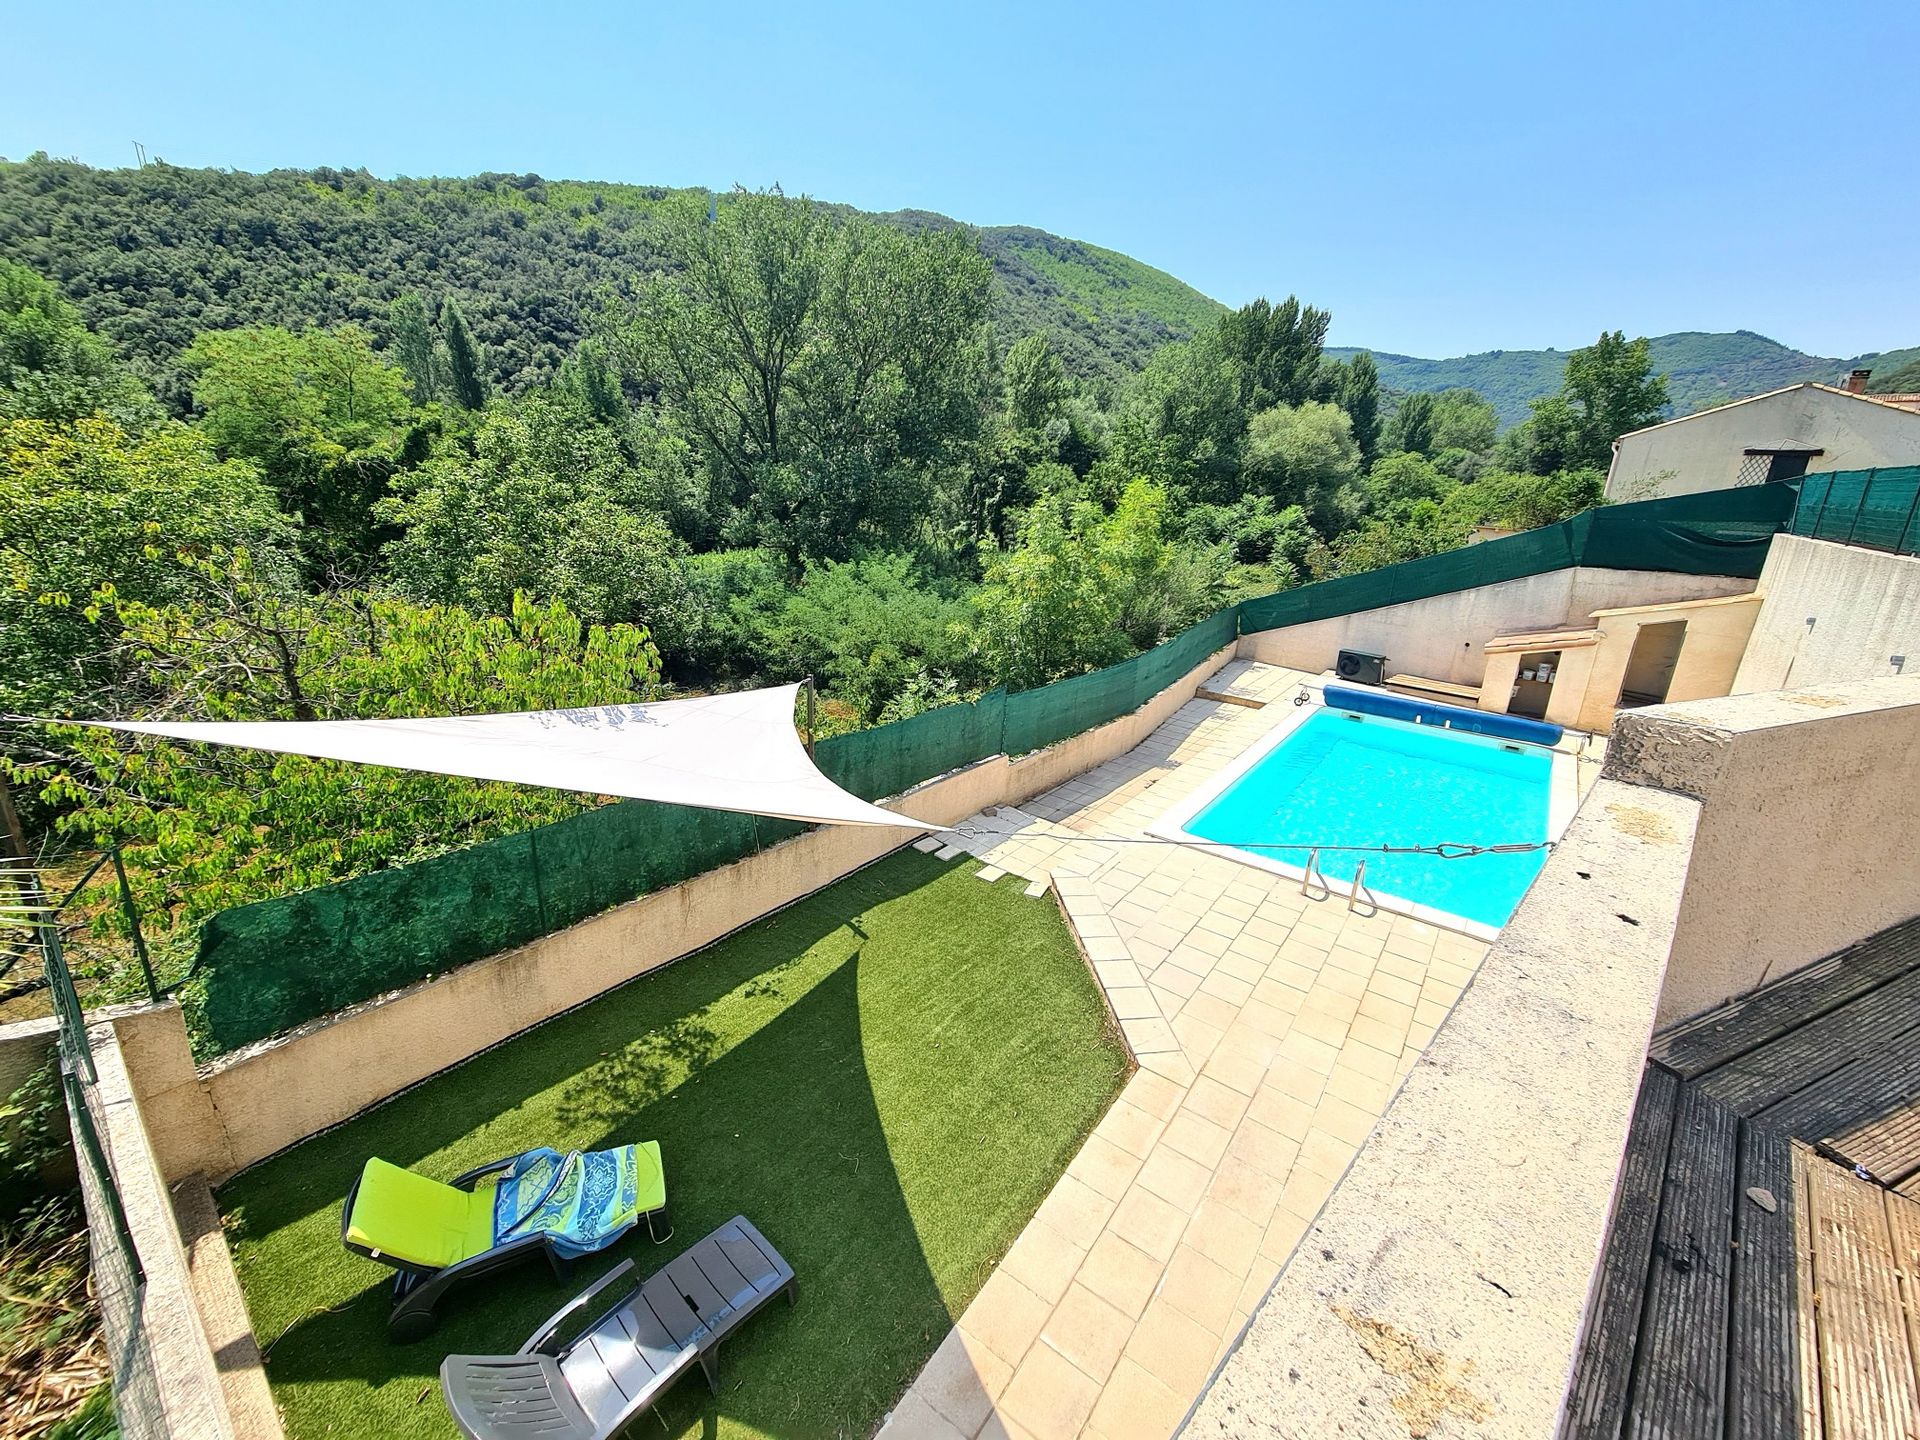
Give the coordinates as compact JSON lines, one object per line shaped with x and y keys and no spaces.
{"x":1443,"y":178}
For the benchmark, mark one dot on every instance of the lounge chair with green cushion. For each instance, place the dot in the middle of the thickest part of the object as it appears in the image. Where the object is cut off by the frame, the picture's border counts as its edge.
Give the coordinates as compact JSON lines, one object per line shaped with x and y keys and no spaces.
{"x":540,"y":1203}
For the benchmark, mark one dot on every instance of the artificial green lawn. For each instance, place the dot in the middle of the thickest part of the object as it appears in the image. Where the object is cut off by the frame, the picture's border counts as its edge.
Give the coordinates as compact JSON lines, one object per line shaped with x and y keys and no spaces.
{"x":885,"y":1078}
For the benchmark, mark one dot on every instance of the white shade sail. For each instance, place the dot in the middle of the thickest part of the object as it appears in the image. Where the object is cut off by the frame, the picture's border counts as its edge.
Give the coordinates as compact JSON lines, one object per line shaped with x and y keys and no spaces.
{"x":724,"y":752}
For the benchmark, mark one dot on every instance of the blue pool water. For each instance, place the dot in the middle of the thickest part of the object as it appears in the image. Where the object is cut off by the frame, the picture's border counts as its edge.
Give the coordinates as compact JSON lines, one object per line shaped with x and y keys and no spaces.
{"x":1342,"y":780}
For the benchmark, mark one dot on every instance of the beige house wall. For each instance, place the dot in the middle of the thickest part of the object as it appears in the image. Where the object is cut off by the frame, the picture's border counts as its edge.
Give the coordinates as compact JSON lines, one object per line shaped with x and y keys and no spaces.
{"x":1716,"y":637}
{"x":1443,"y":637}
{"x":1808,"y":834}
{"x":223,"y":1117}
{"x":1705,"y":451}
{"x":1832,"y":613}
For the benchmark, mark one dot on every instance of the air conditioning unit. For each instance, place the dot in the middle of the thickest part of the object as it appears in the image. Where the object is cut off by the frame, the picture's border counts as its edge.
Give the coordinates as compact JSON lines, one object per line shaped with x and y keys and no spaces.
{"x":1360,"y":668}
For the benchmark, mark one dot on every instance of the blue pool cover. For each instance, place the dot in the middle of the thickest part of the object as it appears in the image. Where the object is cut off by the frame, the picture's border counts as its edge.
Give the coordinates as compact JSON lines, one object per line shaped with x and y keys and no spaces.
{"x":1449,"y":717}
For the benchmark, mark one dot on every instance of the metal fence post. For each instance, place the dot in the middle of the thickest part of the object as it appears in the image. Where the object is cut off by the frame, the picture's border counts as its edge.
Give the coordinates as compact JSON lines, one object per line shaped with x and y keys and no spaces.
{"x":1860,"y":507}
{"x":1913,"y":507}
{"x":1826,"y":494}
{"x":132,"y":912}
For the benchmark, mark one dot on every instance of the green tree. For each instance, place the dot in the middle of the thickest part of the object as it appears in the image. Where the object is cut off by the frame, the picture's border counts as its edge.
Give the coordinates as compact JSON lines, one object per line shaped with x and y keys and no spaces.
{"x":1410,"y":430}
{"x":1181,"y":423}
{"x":1084,"y":588}
{"x":320,"y":414}
{"x":417,"y":348}
{"x":466,"y":365}
{"x":1275,"y":351}
{"x":825,"y":369}
{"x":1609,"y":390}
{"x":1404,"y":477}
{"x":548,"y":504}
{"x":1158,"y":588}
{"x":1048,"y":607}
{"x":736,"y":601}
{"x":1463,"y":420}
{"x":869,"y":628}
{"x":1525,"y":502}
{"x":1359,"y":396}
{"x":593,"y":382}
{"x":1304,"y":455}
{"x":86,"y":505}
{"x":52,"y":367}
{"x":1422,"y":512}
{"x":1034,"y":384}
{"x":208,"y":828}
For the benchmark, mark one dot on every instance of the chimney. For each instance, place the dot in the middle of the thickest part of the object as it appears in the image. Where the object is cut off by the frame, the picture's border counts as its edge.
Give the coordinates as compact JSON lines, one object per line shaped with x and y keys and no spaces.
{"x":1857,"y":382}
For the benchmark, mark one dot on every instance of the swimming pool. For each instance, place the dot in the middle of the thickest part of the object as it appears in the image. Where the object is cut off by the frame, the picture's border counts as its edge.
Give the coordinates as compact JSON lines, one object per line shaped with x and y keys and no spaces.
{"x":1336,"y":778}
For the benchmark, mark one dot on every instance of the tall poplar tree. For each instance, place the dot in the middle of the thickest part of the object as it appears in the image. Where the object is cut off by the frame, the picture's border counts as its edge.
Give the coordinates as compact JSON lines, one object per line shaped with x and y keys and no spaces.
{"x":466,"y":382}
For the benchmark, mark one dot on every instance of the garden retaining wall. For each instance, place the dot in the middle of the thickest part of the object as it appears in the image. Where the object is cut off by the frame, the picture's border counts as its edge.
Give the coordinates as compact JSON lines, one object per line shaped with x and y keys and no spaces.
{"x":218,"y":1119}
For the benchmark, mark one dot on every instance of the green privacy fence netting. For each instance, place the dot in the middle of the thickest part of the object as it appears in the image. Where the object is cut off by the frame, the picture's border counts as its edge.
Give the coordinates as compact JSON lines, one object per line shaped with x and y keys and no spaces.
{"x":1878,"y":508}
{"x":267,"y":967}
{"x":1718,"y":532}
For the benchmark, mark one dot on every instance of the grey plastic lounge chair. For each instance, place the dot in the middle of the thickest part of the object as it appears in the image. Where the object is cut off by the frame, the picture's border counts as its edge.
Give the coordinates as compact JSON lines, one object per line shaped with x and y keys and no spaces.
{"x":595,"y":1385}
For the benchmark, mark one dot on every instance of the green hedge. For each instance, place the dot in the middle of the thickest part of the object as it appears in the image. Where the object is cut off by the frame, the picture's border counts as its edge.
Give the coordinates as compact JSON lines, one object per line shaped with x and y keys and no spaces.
{"x":270,"y":966}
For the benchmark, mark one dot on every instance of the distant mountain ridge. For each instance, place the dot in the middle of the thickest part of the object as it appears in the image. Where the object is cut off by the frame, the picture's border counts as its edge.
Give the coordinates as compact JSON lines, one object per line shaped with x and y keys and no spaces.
{"x":1703,"y":368}
{"x":155,"y":254}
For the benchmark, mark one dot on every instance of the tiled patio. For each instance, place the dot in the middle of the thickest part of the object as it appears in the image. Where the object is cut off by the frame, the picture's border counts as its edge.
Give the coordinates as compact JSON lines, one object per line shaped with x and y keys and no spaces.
{"x":1271,"y":1031}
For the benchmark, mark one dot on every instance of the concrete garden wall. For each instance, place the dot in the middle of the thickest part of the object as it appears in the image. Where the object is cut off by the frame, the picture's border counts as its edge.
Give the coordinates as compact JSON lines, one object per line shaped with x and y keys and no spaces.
{"x":1830,"y":613}
{"x":1442,"y":638}
{"x":217,"y":1120}
{"x":169,"y":1377}
{"x":1809,"y":833}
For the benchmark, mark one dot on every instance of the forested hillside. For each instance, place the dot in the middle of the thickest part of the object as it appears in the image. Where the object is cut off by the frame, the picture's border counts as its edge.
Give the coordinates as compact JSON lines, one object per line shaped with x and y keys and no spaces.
{"x":153,"y":256}
{"x":450,"y":447}
{"x":1702,"y":369}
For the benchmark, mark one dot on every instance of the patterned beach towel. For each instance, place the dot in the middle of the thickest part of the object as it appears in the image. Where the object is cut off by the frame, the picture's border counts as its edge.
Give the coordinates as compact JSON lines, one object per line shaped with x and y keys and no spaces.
{"x":584,"y":1200}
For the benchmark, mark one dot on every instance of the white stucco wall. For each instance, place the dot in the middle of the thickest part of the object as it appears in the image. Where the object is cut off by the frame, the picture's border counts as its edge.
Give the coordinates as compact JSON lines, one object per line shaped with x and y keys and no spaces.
{"x":1807,"y":833}
{"x":1864,"y":606}
{"x":1443,"y":638}
{"x":1704,"y":451}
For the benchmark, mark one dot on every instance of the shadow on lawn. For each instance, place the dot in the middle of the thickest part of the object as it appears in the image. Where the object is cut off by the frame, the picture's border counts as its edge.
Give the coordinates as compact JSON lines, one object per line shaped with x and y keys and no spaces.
{"x":782,"y":1128}
{"x":457,"y":1108}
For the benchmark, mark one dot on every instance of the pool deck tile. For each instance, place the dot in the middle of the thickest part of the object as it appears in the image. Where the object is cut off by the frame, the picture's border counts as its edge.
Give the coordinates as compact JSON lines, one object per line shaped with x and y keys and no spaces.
{"x":1270,"y":1030}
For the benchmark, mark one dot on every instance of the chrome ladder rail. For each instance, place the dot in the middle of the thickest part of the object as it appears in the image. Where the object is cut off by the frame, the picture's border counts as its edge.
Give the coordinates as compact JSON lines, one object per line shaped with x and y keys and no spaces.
{"x":1359,"y":889}
{"x":1308,"y":875}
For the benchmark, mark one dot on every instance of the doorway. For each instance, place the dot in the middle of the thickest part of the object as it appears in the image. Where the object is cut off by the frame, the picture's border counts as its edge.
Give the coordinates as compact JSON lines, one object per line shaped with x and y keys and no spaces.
{"x":1650,"y":664}
{"x":1533,"y":683}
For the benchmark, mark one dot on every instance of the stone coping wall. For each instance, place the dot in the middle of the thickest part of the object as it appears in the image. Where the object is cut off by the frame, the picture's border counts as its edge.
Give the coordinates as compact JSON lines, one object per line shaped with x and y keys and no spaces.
{"x":167,"y":1377}
{"x":1809,"y":833}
